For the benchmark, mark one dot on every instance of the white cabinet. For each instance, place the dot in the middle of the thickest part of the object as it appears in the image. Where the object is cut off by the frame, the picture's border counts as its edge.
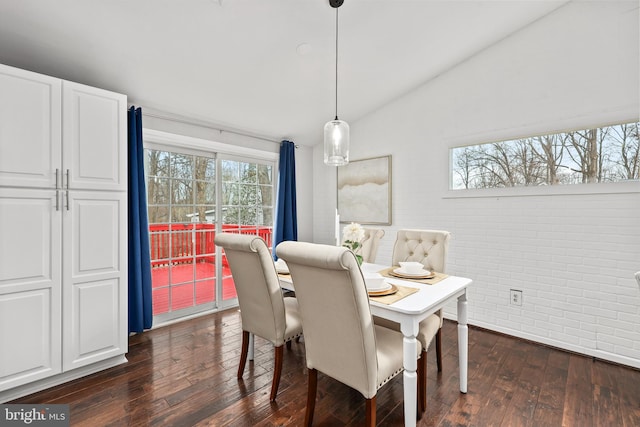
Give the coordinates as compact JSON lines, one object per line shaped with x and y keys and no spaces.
{"x":30,"y":291}
{"x":94,"y":297}
{"x":63,"y":227}
{"x":95,"y":138}
{"x":30,"y":135}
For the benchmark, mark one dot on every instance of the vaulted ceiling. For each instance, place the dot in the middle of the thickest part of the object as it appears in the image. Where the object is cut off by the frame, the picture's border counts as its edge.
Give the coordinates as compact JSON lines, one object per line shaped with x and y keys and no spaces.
{"x":265,"y":67}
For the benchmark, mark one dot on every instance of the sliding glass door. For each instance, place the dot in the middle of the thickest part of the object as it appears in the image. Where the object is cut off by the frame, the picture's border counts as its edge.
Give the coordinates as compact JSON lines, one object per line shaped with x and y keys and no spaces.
{"x":192,"y":195}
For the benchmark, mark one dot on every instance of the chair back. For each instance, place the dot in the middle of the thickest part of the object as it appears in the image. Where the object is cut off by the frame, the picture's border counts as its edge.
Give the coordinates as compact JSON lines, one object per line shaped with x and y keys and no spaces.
{"x":257,"y":285}
{"x":370,"y":243}
{"x":334,"y":307}
{"x":428,"y":247}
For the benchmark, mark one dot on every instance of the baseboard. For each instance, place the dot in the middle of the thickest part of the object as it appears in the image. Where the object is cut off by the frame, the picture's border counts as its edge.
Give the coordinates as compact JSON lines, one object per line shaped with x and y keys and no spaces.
{"x":26,"y":389}
{"x":599,"y":354}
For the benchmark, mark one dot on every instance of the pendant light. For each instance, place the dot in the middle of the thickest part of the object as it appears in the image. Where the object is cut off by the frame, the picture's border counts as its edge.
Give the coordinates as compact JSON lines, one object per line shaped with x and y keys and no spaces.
{"x":336,"y":132}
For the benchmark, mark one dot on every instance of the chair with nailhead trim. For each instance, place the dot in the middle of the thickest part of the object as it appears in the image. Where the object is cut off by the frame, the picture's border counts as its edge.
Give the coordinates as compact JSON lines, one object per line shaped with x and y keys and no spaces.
{"x":263,"y":309}
{"x":341,"y":341}
{"x":428,"y":247}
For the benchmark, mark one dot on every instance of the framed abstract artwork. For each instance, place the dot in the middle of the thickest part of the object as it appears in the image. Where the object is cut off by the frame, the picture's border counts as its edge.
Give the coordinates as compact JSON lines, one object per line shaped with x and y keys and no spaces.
{"x":364,"y":191}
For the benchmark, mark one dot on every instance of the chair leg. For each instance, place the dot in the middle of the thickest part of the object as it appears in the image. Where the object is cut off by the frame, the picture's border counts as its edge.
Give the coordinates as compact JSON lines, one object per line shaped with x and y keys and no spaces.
{"x":311,"y":397}
{"x":243,"y":353}
{"x":439,"y":349}
{"x":371,"y":412}
{"x":422,"y":384}
{"x":277,"y":371}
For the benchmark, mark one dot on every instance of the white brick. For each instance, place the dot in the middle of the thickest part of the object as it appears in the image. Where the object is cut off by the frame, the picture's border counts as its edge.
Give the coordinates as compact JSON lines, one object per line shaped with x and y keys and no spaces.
{"x":564,"y":338}
{"x":586,"y":303}
{"x":624,"y":308}
{"x":581,"y":317}
{"x":610,"y":314}
{"x":629,"y":335}
{"x":567,"y":306}
{"x":580,"y":333}
{"x":617,"y":341}
{"x":588,"y":344}
{"x":548,"y":326}
{"x":604,"y":346}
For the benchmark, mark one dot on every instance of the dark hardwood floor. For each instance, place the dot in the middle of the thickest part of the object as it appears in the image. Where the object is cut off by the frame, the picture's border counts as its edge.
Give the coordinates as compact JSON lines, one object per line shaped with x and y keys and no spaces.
{"x":185,"y":375}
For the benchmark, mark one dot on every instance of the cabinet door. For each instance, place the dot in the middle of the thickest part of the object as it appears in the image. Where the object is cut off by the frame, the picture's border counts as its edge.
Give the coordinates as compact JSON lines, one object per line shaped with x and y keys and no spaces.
{"x":30,"y":130}
{"x":94,"y":277}
{"x":30,"y":291}
{"x":95,"y":138}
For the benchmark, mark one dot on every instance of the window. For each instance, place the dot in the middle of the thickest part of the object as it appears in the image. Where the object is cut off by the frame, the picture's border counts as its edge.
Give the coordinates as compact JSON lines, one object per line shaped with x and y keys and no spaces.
{"x":604,"y":154}
{"x":247,"y":197}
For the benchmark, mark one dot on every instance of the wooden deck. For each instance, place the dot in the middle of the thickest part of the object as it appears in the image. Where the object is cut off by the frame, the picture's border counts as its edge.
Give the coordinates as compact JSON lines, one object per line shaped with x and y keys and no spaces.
{"x":194,"y":284}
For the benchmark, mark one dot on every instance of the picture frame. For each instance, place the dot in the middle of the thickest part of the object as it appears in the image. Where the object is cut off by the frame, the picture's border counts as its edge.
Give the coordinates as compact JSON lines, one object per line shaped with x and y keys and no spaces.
{"x":364,"y":191}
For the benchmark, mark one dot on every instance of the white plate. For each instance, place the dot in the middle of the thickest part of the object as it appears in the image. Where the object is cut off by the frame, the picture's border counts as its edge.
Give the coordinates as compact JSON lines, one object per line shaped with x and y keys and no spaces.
{"x":385,"y":287}
{"x":421,"y":273}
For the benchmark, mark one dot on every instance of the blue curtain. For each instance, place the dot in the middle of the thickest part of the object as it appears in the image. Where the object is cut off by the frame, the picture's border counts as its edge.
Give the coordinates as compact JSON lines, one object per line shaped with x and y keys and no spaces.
{"x":286,"y":226}
{"x":140,"y":303}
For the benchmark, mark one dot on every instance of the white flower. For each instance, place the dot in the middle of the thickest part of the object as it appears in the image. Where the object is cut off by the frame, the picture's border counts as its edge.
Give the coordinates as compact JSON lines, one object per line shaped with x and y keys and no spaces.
{"x":352,"y":235}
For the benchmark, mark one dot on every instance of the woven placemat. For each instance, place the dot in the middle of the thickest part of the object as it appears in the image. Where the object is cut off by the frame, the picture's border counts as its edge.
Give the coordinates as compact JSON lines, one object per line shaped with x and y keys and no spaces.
{"x":437,"y":277}
{"x":403,"y":291}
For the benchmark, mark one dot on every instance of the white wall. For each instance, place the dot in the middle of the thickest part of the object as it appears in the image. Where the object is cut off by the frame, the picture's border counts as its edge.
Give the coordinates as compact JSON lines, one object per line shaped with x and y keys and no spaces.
{"x":572,"y":250}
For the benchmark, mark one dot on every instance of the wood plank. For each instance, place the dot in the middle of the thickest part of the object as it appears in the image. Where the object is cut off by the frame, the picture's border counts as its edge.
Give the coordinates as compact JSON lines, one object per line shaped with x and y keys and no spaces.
{"x":579,"y":395}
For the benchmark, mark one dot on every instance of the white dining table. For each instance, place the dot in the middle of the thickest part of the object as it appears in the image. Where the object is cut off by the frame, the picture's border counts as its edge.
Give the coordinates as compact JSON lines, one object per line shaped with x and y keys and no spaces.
{"x":409,"y":312}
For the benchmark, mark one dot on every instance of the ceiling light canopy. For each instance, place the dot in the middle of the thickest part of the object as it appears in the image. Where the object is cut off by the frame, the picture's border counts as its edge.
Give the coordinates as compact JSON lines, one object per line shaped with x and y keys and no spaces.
{"x":336,"y":131}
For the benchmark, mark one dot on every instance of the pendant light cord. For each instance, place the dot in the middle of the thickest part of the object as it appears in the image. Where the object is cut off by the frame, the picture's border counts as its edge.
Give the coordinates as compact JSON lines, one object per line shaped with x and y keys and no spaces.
{"x":336,"y":63}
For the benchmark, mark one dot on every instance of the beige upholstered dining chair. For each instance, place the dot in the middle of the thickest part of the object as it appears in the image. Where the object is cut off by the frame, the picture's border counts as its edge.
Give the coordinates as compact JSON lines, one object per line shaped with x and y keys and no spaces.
{"x":370,"y":243}
{"x":340,"y":338}
{"x":263,"y":309}
{"x":430,"y":248}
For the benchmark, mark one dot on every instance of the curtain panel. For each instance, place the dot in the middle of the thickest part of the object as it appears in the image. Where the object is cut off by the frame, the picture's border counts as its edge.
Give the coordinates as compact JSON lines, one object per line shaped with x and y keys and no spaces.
{"x":286,"y":225}
{"x":140,"y":299}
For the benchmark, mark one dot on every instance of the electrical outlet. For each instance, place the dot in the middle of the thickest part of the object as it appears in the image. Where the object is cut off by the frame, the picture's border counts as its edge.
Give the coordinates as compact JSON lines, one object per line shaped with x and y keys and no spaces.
{"x":516,"y":297}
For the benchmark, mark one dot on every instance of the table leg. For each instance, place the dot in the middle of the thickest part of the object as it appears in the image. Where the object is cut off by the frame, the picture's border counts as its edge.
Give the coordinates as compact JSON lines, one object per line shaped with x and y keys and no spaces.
{"x":463,"y":341}
{"x":410,"y":377}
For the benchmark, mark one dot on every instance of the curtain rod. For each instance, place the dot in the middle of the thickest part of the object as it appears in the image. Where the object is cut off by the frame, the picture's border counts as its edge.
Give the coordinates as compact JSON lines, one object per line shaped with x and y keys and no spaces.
{"x":187,"y":122}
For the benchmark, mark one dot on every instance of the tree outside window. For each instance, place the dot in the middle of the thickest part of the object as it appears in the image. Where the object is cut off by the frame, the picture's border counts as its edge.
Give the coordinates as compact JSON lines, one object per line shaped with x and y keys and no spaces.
{"x":605,"y":154}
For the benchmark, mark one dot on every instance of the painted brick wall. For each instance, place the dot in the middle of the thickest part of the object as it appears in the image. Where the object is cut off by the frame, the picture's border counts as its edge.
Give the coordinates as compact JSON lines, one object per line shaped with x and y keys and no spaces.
{"x":573,"y":256}
{"x":573,"y":250}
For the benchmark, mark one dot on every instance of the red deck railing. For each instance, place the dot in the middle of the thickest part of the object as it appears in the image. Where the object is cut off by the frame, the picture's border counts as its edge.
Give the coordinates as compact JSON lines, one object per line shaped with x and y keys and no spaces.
{"x":179,"y":243}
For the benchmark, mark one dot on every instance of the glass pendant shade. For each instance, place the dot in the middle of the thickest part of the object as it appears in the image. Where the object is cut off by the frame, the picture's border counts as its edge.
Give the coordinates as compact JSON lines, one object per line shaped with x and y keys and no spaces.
{"x":336,"y":143}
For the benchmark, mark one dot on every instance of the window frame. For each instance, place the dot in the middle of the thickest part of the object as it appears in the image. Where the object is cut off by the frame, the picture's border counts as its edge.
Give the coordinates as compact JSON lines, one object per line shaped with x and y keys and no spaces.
{"x":160,"y":140}
{"x":605,"y":119}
